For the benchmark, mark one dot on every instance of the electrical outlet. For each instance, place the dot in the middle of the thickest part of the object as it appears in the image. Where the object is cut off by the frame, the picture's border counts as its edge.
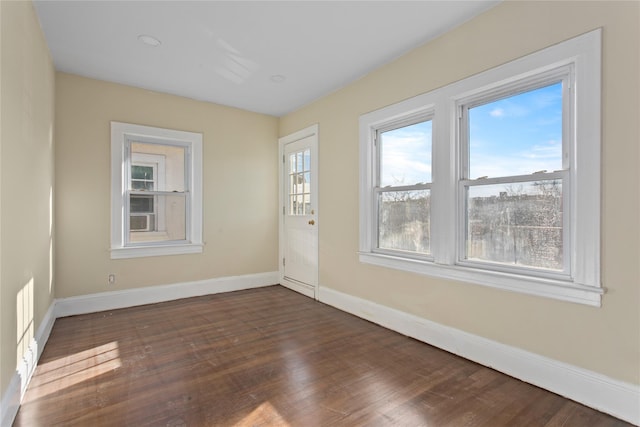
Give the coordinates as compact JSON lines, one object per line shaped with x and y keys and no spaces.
{"x":111,"y":279}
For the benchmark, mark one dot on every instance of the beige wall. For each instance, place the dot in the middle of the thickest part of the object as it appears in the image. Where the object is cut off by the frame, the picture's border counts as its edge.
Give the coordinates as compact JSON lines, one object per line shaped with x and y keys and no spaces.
{"x":26,"y":180}
{"x":240,"y":186}
{"x":240,"y":173}
{"x":605,"y":340}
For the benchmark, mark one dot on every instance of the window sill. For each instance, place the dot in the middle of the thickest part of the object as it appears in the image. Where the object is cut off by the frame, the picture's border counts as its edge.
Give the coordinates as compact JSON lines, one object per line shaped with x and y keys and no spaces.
{"x":543,"y":287}
{"x":155,"y":250}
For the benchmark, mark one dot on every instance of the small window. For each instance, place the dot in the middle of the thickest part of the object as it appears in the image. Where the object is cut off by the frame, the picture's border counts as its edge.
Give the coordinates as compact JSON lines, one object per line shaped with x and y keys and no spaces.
{"x":156,"y":191}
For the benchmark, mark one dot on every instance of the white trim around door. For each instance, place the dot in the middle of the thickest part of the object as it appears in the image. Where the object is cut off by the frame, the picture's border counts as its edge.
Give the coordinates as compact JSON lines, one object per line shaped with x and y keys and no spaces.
{"x":305,"y":216}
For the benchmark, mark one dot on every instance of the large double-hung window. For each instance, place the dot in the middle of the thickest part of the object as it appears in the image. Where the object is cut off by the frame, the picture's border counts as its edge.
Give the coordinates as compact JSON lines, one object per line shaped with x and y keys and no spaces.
{"x":494,"y":179}
{"x":515,"y":180}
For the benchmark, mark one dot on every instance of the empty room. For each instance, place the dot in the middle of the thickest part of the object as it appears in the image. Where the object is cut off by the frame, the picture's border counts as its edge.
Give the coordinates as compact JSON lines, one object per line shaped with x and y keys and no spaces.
{"x":319,"y":213}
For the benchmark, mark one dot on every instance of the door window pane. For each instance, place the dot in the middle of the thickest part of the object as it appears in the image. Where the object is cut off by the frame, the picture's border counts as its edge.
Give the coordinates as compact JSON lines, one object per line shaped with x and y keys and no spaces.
{"x":300,"y":183}
{"x":516,"y":224}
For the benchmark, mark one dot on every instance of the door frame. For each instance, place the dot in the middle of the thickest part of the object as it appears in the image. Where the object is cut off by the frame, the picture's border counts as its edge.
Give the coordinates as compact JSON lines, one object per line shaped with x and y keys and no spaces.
{"x":311,"y":131}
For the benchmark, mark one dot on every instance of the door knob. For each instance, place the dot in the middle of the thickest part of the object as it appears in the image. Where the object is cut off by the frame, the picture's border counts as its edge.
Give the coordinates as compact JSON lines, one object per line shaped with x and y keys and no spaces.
{"x":312,"y":222}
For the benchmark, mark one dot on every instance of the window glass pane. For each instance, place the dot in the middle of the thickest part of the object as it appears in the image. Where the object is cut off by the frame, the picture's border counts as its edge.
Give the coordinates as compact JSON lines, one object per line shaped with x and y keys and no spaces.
{"x":516,"y":224}
{"x":405,"y":155}
{"x":299,"y":183}
{"x":307,"y":160}
{"x":166,"y":223}
{"x":167,"y":160}
{"x":518,"y":135}
{"x":300,"y":204}
{"x":142,"y":172}
{"x":292,"y":162}
{"x":299,"y":162}
{"x":403,"y":221}
{"x":142,"y":185}
{"x":140,"y":204}
{"x":307,"y":204}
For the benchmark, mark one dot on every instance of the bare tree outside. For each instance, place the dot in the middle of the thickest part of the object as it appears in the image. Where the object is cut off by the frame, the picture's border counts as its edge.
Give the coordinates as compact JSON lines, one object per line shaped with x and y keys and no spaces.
{"x":403,"y":219}
{"x":517,"y":224}
{"x":404,"y":196}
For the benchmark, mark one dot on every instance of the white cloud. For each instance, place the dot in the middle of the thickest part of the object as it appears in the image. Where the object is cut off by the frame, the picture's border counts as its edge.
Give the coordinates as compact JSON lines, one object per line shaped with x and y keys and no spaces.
{"x":497,"y":112}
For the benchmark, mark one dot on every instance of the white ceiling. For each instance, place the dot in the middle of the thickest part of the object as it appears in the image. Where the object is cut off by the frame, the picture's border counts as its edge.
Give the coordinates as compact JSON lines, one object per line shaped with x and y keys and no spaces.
{"x":227,"y":52}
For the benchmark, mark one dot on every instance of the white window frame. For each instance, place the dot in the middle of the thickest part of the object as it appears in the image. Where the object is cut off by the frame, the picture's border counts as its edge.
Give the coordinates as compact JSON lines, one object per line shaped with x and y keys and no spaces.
{"x":419,"y":116}
{"x":562,"y":74}
{"x":121,"y":135}
{"x":580,"y":282}
{"x":157,"y":162}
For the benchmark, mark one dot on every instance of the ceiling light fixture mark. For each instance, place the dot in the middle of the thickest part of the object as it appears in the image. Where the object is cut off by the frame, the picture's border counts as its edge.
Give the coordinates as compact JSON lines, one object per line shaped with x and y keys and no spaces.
{"x":149,"y":40}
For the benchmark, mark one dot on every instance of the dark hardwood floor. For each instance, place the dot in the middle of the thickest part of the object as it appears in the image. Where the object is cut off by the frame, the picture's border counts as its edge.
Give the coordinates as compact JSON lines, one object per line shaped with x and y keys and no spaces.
{"x":269,"y":356}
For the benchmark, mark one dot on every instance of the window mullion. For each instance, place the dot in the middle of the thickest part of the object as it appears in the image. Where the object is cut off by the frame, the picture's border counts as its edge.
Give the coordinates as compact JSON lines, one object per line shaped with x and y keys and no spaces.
{"x":461,"y":221}
{"x":126,"y":192}
{"x":402,"y":191}
{"x":126,"y":220}
{"x":444,"y":171}
{"x":374,"y":229}
{"x":375,"y":223}
{"x":462,"y":175}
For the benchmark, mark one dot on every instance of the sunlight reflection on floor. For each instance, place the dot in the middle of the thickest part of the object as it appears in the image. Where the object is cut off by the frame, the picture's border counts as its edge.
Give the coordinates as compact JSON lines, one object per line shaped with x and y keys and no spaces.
{"x":265,"y":414}
{"x":73,"y":369}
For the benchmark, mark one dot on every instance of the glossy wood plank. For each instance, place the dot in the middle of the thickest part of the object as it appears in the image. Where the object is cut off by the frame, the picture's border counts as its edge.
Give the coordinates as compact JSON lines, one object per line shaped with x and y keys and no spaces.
{"x":265,"y":357}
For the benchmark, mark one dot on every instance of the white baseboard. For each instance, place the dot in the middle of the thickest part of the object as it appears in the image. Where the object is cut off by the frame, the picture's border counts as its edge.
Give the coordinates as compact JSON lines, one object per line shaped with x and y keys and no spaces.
{"x":18,"y":385}
{"x":617,"y":398}
{"x":304,"y":289}
{"x":132,"y":297}
{"x":12,"y":397}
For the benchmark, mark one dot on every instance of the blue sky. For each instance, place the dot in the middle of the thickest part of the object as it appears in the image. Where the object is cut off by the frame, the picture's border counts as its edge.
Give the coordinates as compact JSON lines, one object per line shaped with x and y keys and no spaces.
{"x":518,"y":135}
{"x":406,"y":154}
{"x":515,"y":136}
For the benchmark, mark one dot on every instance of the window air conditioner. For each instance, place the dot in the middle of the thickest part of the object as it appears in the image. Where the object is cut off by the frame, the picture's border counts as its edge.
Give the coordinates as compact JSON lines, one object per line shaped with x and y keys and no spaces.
{"x":142,"y":222}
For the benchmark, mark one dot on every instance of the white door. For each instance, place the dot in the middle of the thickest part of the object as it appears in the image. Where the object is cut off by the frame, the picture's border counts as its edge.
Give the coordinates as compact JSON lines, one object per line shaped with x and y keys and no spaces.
{"x":299,"y":212}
